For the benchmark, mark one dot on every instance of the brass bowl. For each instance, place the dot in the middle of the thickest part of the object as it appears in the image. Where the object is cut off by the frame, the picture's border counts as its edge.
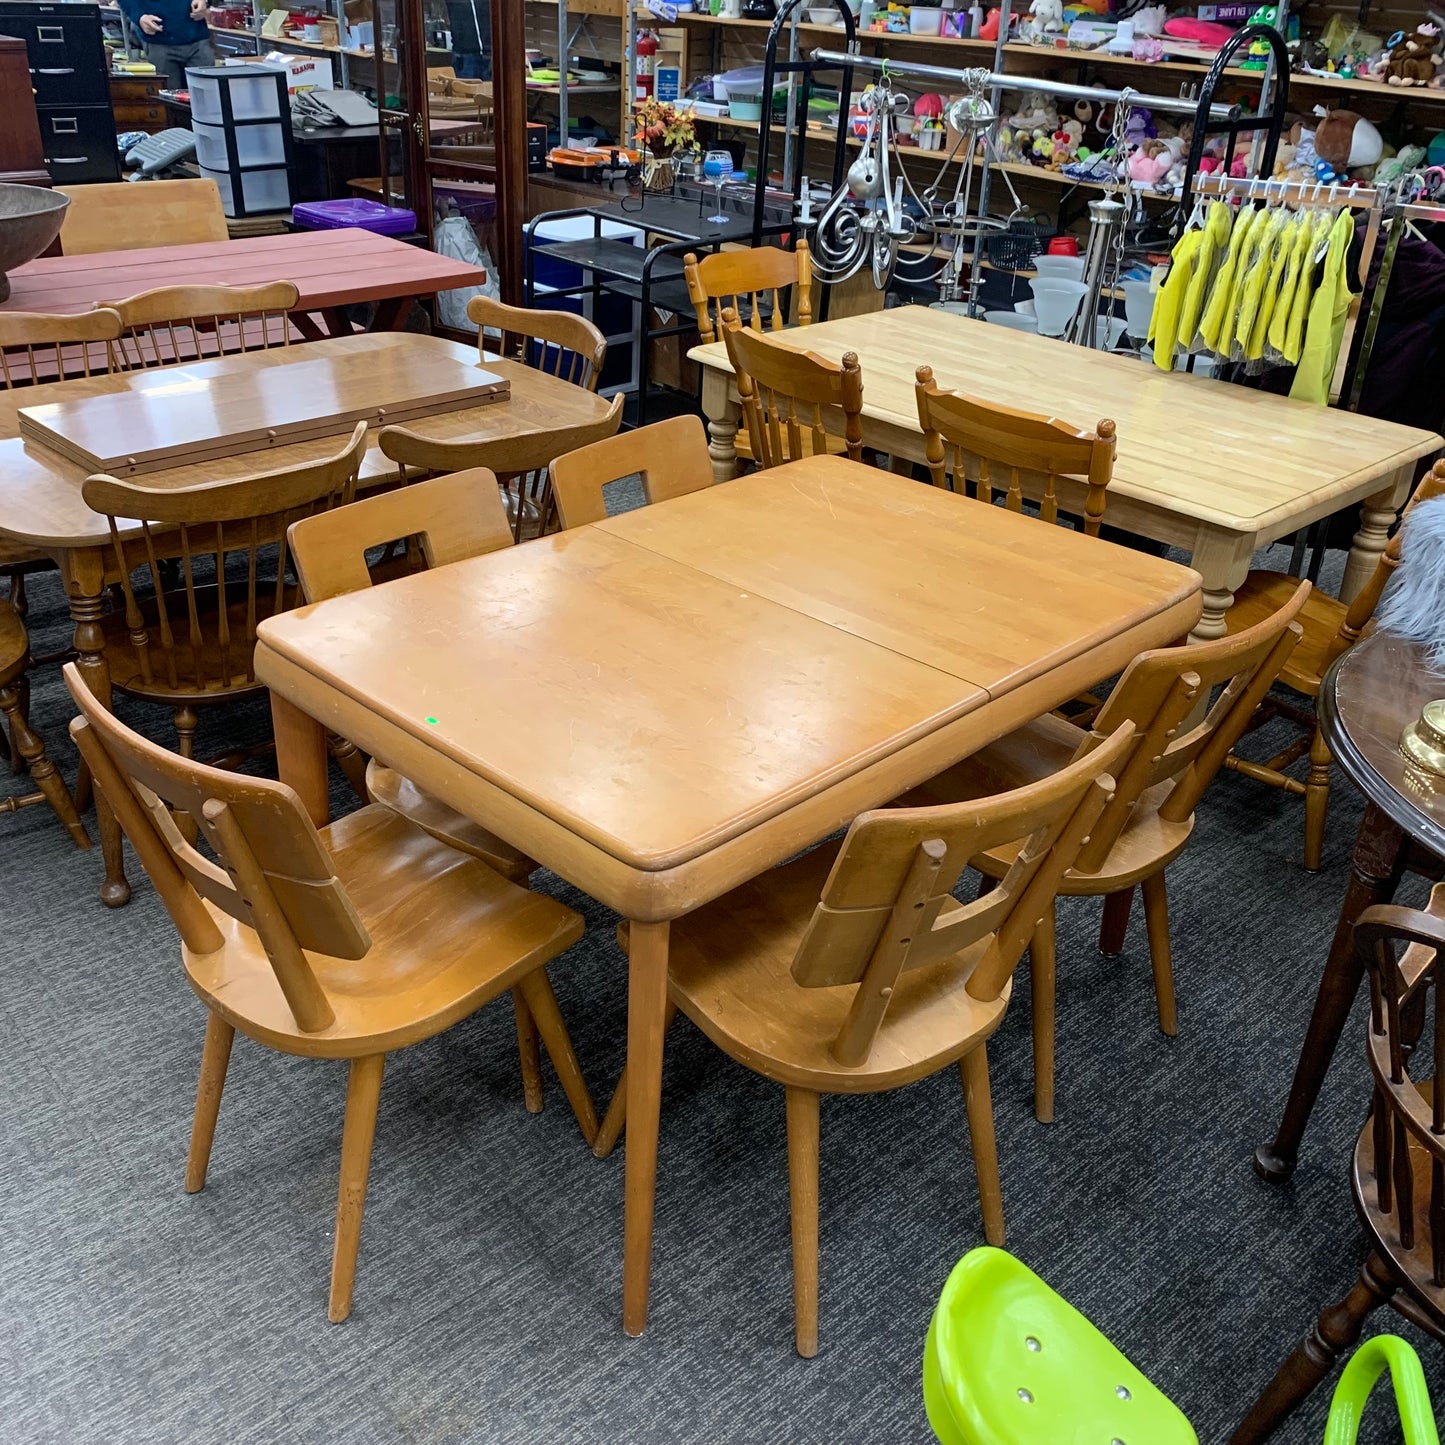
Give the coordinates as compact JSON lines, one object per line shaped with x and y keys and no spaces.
{"x":1422,"y":744}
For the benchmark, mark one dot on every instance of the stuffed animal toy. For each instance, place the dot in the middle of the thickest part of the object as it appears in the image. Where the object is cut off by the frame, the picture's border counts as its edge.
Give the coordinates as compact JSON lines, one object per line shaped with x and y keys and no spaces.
{"x":1048,"y":16}
{"x":1149,"y":20}
{"x":1413,"y":607}
{"x":1090,"y":116}
{"x":1412,"y":60}
{"x":1345,"y":140}
{"x":1036,"y":113}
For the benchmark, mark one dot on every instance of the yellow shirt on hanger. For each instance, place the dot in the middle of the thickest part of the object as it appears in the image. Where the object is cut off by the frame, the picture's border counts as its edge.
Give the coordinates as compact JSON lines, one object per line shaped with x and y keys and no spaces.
{"x":1222,"y":292}
{"x":1169,"y":301}
{"x":1215,"y":241}
{"x":1325,"y":328}
{"x":1294,"y":277}
{"x":1252,"y":288}
{"x":1281,"y":252}
{"x":1299,"y":308}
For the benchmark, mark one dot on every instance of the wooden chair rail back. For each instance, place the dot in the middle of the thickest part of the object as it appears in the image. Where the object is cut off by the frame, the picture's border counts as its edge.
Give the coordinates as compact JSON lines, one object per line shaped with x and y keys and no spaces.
{"x":887,"y":906}
{"x":1362,"y":609}
{"x":173,"y":324}
{"x":1001,"y":450}
{"x":36,"y":347}
{"x":785,"y":392}
{"x":752,"y":279}
{"x":557,"y":342}
{"x":1401,"y":949}
{"x":452,"y":517}
{"x":1157,"y":692}
{"x":274,"y":873}
{"x":671,"y":457}
{"x":202,"y":635}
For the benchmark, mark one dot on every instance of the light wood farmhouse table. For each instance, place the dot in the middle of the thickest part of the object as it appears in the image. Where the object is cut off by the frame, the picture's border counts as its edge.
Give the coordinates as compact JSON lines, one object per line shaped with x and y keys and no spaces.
{"x":1217,"y":470}
{"x":661,"y":706}
{"x":42,"y":511}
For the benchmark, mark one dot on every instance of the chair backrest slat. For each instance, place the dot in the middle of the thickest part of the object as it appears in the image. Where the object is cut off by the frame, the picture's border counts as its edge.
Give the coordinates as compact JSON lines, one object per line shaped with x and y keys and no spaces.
{"x":558,"y":342}
{"x":174,"y":324}
{"x":742,"y":278}
{"x":36,"y":347}
{"x":1036,"y":451}
{"x":774,"y":381}
{"x":670,"y":456}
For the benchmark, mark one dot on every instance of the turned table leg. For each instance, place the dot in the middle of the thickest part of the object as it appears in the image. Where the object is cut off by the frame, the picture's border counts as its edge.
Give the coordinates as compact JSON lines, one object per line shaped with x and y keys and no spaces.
{"x":1222,"y":560}
{"x":723,"y":413}
{"x":1378,"y":862}
{"x":1377,"y":516}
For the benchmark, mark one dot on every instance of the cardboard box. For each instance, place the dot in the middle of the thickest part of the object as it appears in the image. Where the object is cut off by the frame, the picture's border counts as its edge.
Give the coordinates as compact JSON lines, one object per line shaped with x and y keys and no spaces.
{"x":304,"y":72}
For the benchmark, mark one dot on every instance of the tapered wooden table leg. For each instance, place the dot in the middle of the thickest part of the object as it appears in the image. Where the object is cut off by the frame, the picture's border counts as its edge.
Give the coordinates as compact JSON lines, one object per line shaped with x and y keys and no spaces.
{"x":646,"y":1029}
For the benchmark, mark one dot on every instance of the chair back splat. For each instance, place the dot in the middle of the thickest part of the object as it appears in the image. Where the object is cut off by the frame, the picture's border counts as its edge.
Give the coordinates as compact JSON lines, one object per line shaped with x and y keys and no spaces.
{"x":36,"y":348}
{"x":670,"y":456}
{"x":556,"y":342}
{"x":750,"y":282}
{"x":193,"y":323}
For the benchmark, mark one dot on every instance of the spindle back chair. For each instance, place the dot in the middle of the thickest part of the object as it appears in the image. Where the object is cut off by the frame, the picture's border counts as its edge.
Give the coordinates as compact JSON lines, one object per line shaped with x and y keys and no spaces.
{"x":559,"y":343}
{"x":787,"y":394}
{"x":174,"y":324}
{"x":1000,"y":450}
{"x":194,"y":642}
{"x":752,"y":283}
{"x":36,"y":347}
{"x":670,"y":456}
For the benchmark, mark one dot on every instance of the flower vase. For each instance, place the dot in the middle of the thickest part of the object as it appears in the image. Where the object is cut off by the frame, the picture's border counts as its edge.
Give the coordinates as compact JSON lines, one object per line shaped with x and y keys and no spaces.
{"x":657,"y":173}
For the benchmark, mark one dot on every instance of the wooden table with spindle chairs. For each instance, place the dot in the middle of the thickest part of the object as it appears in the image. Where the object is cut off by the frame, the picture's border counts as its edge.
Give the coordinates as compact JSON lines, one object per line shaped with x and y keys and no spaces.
{"x":41,"y":505}
{"x":331,"y":269}
{"x":762,"y":661}
{"x":1368,"y":698}
{"x":1218,"y":472}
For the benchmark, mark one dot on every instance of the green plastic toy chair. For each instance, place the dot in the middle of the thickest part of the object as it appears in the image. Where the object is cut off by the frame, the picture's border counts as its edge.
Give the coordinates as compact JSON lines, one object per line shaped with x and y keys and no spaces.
{"x":1008,"y":1362}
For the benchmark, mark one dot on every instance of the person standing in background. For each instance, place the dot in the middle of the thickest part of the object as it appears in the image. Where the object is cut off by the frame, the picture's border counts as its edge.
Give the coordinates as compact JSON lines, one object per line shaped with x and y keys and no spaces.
{"x":175,"y":35}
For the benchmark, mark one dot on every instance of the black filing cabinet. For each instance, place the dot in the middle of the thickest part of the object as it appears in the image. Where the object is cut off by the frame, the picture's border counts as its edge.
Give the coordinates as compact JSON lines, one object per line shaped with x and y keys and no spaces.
{"x":72,"y":86}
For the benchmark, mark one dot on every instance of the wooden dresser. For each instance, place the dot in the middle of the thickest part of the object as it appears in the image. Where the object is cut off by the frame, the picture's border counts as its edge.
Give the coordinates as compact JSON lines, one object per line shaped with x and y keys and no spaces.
{"x":22,"y":156}
{"x":136,"y":100}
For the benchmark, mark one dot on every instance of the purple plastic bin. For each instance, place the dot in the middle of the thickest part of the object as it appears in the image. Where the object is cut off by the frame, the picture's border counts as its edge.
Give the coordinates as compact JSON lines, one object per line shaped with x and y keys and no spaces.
{"x":356,"y":211}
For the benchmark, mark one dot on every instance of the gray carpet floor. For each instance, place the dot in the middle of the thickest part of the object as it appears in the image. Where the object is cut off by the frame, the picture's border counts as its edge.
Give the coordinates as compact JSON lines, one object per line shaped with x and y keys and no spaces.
{"x":489,"y":1290}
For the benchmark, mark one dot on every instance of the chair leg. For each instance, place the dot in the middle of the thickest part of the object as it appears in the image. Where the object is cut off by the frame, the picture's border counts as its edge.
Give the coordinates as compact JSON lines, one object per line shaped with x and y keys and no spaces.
{"x":1042,"y":981}
{"x":29,"y":749}
{"x":363,"y":1093}
{"x":803,"y":1199}
{"x":352,"y":762}
{"x":537,"y":990}
{"x":1161,"y":956}
{"x":973,"y":1066}
{"x":185,"y":719}
{"x":215,"y":1056}
{"x":1317,"y":801}
{"x":22,"y":691}
{"x":17,"y":591}
{"x":1337,"y":1328}
{"x":615,"y":1119}
{"x":1115,"y":922}
{"x":529,"y":1052}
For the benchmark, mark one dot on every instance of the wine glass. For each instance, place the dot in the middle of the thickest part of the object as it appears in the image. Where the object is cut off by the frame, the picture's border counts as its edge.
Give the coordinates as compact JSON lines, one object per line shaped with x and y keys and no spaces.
{"x":717,"y":166}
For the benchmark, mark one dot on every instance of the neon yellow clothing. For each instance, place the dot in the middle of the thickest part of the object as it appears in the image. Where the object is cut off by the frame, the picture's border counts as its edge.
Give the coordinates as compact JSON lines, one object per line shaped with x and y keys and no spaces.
{"x":1299,"y":260}
{"x":1214,"y":242}
{"x":1212,"y":327}
{"x":1247,"y":283}
{"x":1251,"y":291}
{"x":1304,"y":293}
{"x":1281,"y":249}
{"x":1326,"y":326}
{"x":1169,"y":301}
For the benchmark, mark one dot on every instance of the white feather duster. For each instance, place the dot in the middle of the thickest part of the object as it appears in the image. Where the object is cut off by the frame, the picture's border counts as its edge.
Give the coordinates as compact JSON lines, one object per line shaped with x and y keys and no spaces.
{"x":1413,"y":607}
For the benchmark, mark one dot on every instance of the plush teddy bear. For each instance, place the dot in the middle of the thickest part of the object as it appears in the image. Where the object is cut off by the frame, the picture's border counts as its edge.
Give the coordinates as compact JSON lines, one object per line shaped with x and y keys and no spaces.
{"x":1345,"y":140}
{"x":1413,"y":60}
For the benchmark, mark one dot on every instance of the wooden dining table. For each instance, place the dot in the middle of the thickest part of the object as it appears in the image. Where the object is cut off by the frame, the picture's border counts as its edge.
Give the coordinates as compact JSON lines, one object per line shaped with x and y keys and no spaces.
{"x":663,"y":705}
{"x":331,"y":269}
{"x":1214,"y":469}
{"x":42,"y":511}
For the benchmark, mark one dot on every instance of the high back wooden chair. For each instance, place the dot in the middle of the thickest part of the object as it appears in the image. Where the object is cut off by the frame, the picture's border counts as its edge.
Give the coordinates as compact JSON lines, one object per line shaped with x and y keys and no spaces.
{"x":852,"y":969}
{"x":119,"y":216}
{"x":786,"y":394}
{"x":559,"y":343}
{"x":752,"y":283}
{"x":670,"y":456}
{"x":1003,"y":451}
{"x":36,"y":348}
{"x":189,"y":323}
{"x":343,"y":943}
{"x":1151,"y":815}
{"x":1399,"y":1164}
{"x":23,"y":746}
{"x":519,"y":462}
{"x":190,"y":644}
{"x":1331,"y":627}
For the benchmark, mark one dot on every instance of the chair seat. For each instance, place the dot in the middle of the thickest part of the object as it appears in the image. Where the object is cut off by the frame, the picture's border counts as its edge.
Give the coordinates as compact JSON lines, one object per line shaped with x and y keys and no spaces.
{"x":448,"y":934}
{"x":14,"y":644}
{"x":729,"y":964}
{"x":1009,"y":1362}
{"x":1038,"y":750}
{"x":401,"y":795}
{"x":1261,"y":595}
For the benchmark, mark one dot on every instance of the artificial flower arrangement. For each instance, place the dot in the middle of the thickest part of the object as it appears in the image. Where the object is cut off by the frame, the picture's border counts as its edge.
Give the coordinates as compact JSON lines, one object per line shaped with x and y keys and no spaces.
{"x":661,"y":128}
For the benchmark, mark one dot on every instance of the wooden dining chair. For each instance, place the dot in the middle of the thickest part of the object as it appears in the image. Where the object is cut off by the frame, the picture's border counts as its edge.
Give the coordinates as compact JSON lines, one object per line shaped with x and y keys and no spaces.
{"x":852,"y":969}
{"x":519,"y":462}
{"x":23,"y":744}
{"x":191,"y":323}
{"x":999,"y":451}
{"x":120,"y":216}
{"x":1150,"y":818}
{"x":1331,"y":627}
{"x":751,"y":281}
{"x":559,"y":343}
{"x":347,"y":942}
{"x":191,"y":643}
{"x":1398,"y":1173}
{"x":671,"y":457}
{"x":443,"y":520}
{"x":786,"y":395}
{"x":36,"y":348}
